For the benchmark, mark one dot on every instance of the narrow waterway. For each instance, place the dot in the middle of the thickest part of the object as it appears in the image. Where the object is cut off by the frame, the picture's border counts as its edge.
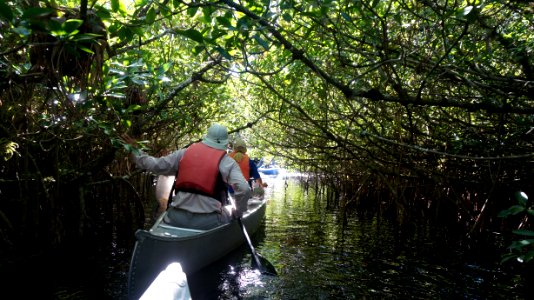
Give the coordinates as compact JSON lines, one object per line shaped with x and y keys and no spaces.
{"x":317,"y":256}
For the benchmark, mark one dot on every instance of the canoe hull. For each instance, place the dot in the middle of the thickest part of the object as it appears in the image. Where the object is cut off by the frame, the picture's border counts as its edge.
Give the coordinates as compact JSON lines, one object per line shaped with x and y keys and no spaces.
{"x":162,"y":245}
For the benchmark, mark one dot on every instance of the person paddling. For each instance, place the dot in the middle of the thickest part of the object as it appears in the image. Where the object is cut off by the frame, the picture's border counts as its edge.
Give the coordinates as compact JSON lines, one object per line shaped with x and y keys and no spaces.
{"x":203,"y":173}
{"x":246,"y":164}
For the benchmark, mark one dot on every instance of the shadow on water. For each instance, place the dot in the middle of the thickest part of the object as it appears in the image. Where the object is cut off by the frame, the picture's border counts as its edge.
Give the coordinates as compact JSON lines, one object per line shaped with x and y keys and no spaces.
{"x":75,"y":272}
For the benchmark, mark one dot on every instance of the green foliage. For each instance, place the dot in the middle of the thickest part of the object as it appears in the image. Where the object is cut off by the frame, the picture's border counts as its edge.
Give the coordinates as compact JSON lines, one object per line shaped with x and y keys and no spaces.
{"x":193,"y":34}
{"x":8,"y":149}
{"x":442,"y":90}
{"x":5,"y":11}
{"x":118,"y":6}
{"x":520,"y":250}
{"x":522,"y":207}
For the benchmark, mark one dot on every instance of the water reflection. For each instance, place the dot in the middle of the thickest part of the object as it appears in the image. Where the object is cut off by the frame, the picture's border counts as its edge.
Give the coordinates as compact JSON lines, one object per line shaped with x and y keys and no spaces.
{"x":319,"y":256}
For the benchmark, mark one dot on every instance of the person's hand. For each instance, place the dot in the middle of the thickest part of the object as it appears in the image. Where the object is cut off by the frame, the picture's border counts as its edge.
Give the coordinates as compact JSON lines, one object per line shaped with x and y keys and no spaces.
{"x":130,"y":144}
{"x":264,"y":185}
{"x":236,"y":214}
{"x":128,"y":139}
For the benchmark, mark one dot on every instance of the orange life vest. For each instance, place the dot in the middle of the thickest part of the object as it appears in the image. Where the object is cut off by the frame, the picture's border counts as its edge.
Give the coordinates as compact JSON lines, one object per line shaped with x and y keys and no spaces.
{"x":198,"y":172}
{"x":244,"y":164}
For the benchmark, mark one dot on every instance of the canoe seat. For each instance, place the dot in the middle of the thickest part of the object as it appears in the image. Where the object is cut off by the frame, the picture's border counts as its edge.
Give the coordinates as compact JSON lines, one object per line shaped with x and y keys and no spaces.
{"x":172,"y":231}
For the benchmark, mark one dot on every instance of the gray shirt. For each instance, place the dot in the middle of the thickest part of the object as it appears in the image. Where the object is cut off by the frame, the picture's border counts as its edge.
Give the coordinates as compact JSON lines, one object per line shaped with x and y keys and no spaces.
{"x":196,"y":203}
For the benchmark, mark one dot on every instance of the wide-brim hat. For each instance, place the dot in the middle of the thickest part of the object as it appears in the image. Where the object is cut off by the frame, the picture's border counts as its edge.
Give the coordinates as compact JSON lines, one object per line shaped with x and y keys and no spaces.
{"x":217,"y":137}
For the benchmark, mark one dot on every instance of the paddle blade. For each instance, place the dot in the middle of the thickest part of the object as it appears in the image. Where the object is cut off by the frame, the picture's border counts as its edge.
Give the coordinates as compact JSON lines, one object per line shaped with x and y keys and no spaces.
{"x":265,"y":266}
{"x":258,"y":262}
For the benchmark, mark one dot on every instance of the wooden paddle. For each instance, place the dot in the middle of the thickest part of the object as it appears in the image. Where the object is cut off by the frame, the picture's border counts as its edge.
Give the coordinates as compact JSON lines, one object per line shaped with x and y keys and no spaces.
{"x":260,"y":262}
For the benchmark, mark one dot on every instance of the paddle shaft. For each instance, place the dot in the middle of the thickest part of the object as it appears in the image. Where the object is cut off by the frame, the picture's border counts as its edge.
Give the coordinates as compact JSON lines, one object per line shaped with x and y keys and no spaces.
{"x":249,"y":242}
{"x":262,"y":264}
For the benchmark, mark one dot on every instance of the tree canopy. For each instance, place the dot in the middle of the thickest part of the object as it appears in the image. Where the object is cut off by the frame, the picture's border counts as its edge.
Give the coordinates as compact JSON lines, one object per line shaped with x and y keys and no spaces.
{"x":422,"y":110}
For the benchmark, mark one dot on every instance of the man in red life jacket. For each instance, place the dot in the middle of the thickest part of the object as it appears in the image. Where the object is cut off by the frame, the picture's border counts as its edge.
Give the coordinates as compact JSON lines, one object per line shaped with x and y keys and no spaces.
{"x":203,"y":173}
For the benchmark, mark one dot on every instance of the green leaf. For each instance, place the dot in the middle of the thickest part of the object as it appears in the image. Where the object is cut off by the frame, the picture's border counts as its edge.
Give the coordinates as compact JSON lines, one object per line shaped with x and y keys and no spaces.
{"x":207,"y":11}
{"x":215,"y":34}
{"x":138,"y":63}
{"x":165,"y":67}
{"x":126,"y":123}
{"x":529,"y":256}
{"x":34,"y":12}
{"x":5,"y":11}
{"x":102,"y":12}
{"x":515,"y":245}
{"x":375,"y":3}
{"x":8,"y":148}
{"x":513,"y":210}
{"x":524,"y":232}
{"x":118,"y":6}
{"x":526,"y":243}
{"x":139,"y":3}
{"x":198,"y":49}
{"x":261,"y":41}
{"x":138,"y":30}
{"x":125,"y":33}
{"x":503,"y":214}
{"x":224,"y":53}
{"x":138,"y":81}
{"x":150,"y":16}
{"x":243,"y":23}
{"x":55,"y":26}
{"x":287,"y":17}
{"x":191,"y":11}
{"x":193,"y":34}
{"x":71,"y":25}
{"x":508,"y":257}
{"x":133,"y":108}
{"x":85,"y":49}
{"x":91,"y":37}
{"x":116,"y":95}
{"x":164,"y":10}
{"x":130,"y":148}
{"x":115,"y":5}
{"x":522,"y":198}
{"x":225,"y":21}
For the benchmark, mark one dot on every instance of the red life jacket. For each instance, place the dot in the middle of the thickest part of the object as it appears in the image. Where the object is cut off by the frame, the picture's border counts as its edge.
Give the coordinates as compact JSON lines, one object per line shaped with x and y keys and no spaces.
{"x":244,"y":164}
{"x":198,"y":172}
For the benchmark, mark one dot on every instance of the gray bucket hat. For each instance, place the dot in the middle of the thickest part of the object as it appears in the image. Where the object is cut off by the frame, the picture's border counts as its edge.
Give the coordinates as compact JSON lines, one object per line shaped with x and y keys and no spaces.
{"x":217,"y":137}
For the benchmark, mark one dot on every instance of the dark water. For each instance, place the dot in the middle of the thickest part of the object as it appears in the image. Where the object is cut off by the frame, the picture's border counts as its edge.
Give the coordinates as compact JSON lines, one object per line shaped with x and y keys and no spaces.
{"x":316,"y":254}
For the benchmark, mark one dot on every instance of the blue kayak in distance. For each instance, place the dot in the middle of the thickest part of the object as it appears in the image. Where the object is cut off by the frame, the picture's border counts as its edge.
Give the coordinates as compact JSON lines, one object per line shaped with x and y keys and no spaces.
{"x":269,"y":170}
